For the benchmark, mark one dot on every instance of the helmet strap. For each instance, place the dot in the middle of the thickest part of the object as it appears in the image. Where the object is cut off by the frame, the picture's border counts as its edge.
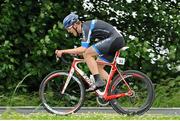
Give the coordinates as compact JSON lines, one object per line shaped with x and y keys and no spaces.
{"x":76,"y":30}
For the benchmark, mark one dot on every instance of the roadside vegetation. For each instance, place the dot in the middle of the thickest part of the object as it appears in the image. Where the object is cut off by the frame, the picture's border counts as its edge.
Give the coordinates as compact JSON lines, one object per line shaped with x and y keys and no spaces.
{"x":84,"y":116}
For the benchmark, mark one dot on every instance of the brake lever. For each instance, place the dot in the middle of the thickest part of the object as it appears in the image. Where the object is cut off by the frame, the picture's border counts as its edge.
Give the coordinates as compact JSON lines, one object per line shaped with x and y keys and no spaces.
{"x":57,"y":58}
{"x":62,"y":59}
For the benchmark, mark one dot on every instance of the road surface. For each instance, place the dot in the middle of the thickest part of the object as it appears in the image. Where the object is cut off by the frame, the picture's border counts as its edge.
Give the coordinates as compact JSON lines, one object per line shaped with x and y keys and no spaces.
{"x":27,"y":110}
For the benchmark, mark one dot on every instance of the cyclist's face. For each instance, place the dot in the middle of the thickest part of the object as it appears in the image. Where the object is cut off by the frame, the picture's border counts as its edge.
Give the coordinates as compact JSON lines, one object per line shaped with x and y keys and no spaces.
{"x":72,"y":30}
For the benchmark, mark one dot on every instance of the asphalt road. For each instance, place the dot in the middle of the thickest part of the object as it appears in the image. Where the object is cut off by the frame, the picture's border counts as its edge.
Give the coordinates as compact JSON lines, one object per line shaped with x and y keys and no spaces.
{"x":27,"y":110}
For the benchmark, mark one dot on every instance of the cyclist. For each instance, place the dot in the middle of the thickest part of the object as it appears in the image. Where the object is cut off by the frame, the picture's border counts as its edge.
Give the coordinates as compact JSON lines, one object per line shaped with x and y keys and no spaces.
{"x":108,"y":41}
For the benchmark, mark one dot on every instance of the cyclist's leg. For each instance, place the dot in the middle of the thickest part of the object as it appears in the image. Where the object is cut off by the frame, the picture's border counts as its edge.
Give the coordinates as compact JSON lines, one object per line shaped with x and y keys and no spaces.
{"x":104,"y":49}
{"x":108,"y":59}
{"x":107,"y":49}
{"x":89,"y":57}
{"x":98,"y":49}
{"x":103,"y":73}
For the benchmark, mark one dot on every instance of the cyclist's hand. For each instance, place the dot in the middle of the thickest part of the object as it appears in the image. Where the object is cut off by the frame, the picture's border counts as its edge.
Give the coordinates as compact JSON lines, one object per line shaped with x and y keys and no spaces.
{"x":59,"y":53}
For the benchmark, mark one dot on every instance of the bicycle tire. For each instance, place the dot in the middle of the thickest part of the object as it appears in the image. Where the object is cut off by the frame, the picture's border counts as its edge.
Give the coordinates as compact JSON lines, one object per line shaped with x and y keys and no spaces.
{"x":50,"y":82}
{"x":116,"y":104}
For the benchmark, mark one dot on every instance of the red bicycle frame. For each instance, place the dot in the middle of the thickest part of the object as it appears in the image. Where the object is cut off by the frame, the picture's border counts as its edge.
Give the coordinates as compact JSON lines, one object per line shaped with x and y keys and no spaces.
{"x":104,"y":94}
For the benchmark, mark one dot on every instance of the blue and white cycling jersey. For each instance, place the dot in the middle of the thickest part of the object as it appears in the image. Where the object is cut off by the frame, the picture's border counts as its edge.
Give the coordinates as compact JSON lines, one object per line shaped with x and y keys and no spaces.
{"x":109,"y":39}
{"x":96,"y":29}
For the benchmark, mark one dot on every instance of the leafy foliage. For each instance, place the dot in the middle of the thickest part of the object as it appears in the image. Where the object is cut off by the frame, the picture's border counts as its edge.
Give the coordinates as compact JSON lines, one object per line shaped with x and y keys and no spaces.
{"x":30,"y":31}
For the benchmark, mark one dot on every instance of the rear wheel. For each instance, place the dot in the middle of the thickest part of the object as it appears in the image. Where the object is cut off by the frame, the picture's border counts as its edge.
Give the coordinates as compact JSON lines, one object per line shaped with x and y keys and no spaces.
{"x":54,"y":101}
{"x":143,"y":93}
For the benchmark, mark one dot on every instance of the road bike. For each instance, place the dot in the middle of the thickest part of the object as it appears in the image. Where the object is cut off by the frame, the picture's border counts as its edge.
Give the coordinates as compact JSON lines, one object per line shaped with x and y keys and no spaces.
{"x":128,"y":92}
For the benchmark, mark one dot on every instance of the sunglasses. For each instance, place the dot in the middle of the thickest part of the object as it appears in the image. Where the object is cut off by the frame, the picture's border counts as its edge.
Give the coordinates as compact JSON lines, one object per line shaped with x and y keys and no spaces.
{"x":69,"y":28}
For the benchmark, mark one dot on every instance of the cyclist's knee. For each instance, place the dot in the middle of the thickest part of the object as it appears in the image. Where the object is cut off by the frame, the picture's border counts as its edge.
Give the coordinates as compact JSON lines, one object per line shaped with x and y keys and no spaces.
{"x":89,"y":53}
{"x":85,"y":54}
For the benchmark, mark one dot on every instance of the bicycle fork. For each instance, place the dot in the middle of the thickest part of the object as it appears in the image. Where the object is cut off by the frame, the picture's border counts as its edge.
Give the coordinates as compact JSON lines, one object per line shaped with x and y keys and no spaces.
{"x":68,"y":80}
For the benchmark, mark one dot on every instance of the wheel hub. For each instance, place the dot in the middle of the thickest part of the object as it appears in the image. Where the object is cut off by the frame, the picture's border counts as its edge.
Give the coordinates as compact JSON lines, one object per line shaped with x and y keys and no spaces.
{"x":132,"y":93}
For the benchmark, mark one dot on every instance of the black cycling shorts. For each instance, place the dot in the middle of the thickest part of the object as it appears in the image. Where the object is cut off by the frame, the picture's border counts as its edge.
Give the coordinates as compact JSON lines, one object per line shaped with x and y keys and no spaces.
{"x":107,"y":48}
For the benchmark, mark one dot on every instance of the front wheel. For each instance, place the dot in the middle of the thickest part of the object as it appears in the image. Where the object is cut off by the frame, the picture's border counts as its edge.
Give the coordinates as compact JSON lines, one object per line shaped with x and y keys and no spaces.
{"x":142,"y":97}
{"x":56,"y":102}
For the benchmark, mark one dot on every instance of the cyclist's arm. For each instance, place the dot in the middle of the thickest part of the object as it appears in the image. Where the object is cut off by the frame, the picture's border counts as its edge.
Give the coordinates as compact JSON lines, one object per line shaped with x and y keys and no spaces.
{"x":78,"y":50}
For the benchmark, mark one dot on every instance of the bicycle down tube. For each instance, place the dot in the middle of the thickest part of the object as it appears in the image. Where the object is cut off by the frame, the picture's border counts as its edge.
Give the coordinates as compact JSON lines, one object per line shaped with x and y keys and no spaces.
{"x":68,"y":80}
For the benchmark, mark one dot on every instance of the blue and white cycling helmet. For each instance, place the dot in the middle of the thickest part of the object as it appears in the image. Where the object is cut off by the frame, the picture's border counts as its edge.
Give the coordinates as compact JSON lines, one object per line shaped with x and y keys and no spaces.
{"x":70,"y":20}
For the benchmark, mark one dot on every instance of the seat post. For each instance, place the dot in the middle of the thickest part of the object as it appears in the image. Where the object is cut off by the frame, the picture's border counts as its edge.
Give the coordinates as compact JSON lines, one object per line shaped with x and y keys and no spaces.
{"x":116,"y":55}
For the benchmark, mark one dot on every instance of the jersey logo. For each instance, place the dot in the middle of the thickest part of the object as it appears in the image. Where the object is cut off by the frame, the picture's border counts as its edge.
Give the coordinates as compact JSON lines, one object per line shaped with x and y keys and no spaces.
{"x":90,"y":30}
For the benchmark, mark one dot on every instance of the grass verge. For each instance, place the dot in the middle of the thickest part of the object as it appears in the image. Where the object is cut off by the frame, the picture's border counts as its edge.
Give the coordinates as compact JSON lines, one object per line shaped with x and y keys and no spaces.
{"x":83,"y":116}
